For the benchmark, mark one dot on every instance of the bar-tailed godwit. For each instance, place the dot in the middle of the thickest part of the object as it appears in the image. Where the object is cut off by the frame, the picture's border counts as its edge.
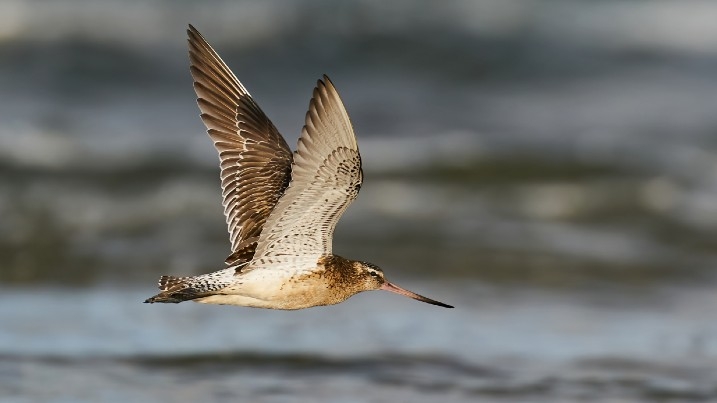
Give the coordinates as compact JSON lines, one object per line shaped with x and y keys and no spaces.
{"x":281,"y":208}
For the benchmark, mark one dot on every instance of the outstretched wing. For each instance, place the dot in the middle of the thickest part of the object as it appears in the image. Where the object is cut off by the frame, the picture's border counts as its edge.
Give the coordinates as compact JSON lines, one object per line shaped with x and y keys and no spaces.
{"x":255,"y":159}
{"x":325,"y":178}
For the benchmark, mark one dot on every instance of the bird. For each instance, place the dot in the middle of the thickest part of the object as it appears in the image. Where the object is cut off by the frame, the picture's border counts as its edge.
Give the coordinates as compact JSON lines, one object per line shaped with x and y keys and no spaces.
{"x":281,"y":208}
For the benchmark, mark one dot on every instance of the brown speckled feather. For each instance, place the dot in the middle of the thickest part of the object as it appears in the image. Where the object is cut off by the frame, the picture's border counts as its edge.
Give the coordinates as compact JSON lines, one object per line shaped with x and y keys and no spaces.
{"x":255,"y":159}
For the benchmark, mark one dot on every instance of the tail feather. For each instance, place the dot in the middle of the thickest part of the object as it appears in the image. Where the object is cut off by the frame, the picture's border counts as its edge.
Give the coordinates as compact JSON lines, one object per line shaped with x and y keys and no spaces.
{"x":168,"y":282}
{"x":176,"y":290}
{"x":175,"y":297}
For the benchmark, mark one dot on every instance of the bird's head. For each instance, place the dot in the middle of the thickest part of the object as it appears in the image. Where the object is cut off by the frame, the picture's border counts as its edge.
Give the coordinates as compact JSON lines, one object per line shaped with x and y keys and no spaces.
{"x":372,"y":278}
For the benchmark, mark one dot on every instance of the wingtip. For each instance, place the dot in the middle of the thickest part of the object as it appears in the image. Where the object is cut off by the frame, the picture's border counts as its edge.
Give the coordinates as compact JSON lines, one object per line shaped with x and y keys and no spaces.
{"x":324,"y":86}
{"x":193,"y":35}
{"x":325,"y":81}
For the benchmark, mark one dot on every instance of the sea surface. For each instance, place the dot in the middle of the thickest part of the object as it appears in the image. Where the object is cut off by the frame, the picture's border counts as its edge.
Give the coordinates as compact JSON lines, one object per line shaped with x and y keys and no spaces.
{"x":495,"y":346}
{"x":548,"y":167}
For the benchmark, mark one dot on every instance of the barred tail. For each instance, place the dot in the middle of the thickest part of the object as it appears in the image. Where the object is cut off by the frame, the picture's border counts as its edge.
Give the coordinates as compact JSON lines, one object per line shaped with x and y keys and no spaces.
{"x":167,"y":282}
{"x":176,"y":290}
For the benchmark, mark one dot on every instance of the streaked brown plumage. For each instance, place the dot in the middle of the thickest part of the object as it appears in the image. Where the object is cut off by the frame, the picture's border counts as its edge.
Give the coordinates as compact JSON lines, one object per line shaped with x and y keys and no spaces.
{"x":281,"y":208}
{"x":255,"y":159}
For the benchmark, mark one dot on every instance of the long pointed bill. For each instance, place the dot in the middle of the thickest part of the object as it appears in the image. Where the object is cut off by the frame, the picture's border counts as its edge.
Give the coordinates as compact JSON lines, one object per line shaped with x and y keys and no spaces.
{"x":398,"y":290}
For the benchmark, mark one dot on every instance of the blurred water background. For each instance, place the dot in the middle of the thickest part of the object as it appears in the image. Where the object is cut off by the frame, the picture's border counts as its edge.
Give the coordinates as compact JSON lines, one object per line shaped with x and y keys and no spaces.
{"x":549,"y":167}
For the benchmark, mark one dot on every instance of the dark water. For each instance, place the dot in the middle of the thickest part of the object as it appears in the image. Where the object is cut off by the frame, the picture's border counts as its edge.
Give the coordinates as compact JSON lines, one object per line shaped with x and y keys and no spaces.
{"x":104,"y":345}
{"x":550,"y":168}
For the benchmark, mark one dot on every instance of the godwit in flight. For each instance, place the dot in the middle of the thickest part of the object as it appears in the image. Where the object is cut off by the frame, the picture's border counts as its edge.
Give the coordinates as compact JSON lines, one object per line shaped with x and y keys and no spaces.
{"x":281,"y":208}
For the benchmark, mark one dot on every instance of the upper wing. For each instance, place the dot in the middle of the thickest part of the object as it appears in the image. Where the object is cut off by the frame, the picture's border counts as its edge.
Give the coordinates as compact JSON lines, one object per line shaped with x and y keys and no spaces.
{"x":255,"y":159}
{"x":325,"y":178}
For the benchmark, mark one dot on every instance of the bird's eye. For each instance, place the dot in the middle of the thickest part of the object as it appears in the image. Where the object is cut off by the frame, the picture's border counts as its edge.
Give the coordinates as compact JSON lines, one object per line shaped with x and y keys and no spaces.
{"x":373,"y":273}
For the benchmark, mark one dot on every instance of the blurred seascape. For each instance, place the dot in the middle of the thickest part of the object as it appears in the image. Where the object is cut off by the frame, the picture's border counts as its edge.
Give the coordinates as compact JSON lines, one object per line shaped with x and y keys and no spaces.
{"x":548,"y":167}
